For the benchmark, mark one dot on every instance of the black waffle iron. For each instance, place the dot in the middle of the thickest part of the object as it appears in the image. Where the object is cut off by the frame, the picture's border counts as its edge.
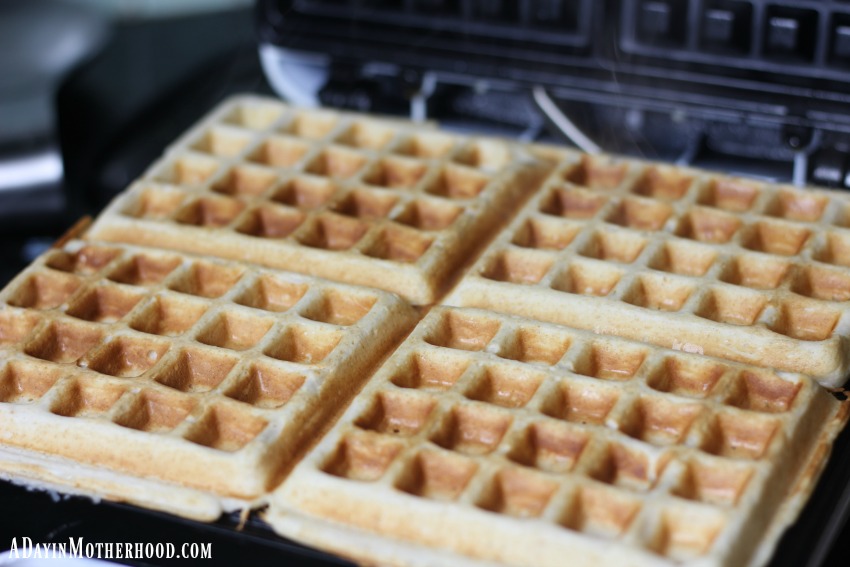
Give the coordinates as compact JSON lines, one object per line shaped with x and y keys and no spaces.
{"x":746,"y":86}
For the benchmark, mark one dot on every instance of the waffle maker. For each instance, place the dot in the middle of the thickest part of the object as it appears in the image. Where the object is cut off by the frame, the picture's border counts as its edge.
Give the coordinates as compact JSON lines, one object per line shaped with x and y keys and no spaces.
{"x":746,"y":86}
{"x":753,"y":86}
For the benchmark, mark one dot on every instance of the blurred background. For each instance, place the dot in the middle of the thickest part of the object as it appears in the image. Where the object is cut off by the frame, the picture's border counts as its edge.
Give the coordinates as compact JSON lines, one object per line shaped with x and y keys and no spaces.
{"x":91,"y":91}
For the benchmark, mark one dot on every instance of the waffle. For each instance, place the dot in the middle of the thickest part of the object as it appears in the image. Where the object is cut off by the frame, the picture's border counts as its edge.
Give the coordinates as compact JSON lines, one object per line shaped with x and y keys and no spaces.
{"x":623,"y":377}
{"x":361,"y":200}
{"x":680,"y":258}
{"x":131,"y":373}
{"x":489,"y":438}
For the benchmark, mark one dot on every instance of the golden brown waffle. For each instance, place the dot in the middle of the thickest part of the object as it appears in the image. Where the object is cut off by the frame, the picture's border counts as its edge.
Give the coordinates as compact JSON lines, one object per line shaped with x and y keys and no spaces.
{"x":352,"y":198}
{"x":501,"y":439}
{"x":158,"y":366}
{"x":131,"y":369}
{"x":679,"y":258}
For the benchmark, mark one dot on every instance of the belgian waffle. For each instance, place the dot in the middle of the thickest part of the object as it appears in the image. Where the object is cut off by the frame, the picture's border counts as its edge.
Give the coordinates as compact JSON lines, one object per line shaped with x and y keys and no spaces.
{"x":348,"y":197}
{"x":685,"y":259}
{"x":154,"y":365}
{"x":624,"y":378}
{"x":495,"y":438}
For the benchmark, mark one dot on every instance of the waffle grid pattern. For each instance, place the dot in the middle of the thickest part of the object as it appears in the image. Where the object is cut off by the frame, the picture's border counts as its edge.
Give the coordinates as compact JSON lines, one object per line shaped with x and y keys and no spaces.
{"x":565,"y":405}
{"x":320,"y":190}
{"x":209,"y":353}
{"x":719,"y":254}
{"x":662,"y":451}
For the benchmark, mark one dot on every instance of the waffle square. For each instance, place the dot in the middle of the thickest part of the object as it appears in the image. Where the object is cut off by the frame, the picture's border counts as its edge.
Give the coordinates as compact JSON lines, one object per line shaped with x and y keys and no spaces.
{"x":494,"y":438}
{"x":348,"y":197}
{"x":189,"y":371}
{"x":681,"y":258}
